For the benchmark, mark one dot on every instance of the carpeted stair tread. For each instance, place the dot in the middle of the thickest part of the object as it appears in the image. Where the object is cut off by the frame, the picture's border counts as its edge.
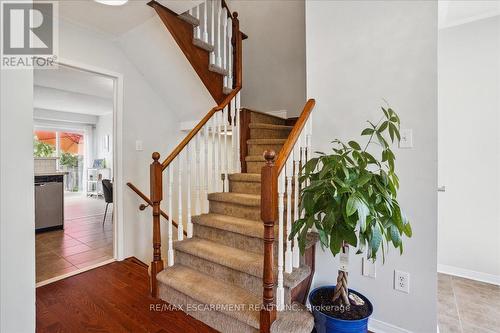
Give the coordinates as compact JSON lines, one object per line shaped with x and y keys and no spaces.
{"x":243,"y":261}
{"x":266,"y":141}
{"x":269,"y":126}
{"x":245,"y":177}
{"x":297,"y":319}
{"x":291,"y":280}
{"x":189,"y":19}
{"x":208,"y":290}
{"x":243,"y":199}
{"x":231,"y":224}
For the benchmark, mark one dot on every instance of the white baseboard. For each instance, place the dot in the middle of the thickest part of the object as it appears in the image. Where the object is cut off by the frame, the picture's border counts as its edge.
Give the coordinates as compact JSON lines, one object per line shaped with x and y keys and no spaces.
{"x":469,"y":274}
{"x":378,"y":326}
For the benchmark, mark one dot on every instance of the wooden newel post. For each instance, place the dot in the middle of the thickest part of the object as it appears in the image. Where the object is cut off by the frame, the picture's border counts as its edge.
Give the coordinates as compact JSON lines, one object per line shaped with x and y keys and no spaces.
{"x":269,"y":214}
{"x":155,"y":171}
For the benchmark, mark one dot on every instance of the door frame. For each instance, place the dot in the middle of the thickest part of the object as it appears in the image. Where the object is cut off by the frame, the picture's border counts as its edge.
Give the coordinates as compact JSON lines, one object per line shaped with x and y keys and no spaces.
{"x":118,"y":221}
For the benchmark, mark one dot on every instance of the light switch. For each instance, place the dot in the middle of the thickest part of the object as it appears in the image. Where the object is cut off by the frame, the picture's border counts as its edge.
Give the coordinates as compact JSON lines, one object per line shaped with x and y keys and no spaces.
{"x":138,"y":145}
{"x":368,"y":268}
{"x":406,"y":138}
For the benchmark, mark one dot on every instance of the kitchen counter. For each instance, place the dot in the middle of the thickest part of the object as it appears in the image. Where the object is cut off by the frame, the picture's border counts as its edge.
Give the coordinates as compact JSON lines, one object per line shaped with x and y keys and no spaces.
{"x":53,"y":173}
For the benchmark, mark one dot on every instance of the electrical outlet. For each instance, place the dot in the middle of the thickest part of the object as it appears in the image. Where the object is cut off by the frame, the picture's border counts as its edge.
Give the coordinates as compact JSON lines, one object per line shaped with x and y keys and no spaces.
{"x":368,"y":268}
{"x":402,"y":281}
{"x":406,"y":138}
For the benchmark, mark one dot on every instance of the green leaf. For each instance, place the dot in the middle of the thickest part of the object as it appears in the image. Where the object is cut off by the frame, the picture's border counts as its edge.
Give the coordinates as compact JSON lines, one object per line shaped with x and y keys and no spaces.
{"x":365,"y":178}
{"x":383,"y":126}
{"x":376,"y":238}
{"x":354,"y":145}
{"x":407,"y":230}
{"x":395,"y":236}
{"x":352,"y":204}
{"x":335,"y":242}
{"x":349,"y":236}
{"x":323,"y":237}
{"x":367,"y":131}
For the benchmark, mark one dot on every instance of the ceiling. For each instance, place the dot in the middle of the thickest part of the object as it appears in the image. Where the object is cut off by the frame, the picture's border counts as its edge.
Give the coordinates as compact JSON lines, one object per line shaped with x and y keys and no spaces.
{"x":115,"y":20}
{"x":74,"y":80}
{"x":457,"y":12}
{"x":70,"y":90}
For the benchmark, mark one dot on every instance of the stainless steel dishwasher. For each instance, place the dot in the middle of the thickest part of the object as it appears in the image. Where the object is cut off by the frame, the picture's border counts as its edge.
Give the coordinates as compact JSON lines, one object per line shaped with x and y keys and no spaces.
{"x":49,"y":203}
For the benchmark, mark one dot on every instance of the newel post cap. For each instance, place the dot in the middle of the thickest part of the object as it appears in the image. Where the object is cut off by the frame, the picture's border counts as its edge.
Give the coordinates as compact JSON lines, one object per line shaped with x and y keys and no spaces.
{"x":269,"y":156}
{"x":156,"y":156}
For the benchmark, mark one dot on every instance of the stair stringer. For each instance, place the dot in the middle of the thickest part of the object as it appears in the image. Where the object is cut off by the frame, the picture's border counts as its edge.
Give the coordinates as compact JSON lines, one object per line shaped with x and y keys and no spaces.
{"x":182,"y":32}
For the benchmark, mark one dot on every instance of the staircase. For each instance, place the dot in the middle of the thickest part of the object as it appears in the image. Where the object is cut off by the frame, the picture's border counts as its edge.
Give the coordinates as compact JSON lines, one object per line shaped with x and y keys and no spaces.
{"x":233,"y":185}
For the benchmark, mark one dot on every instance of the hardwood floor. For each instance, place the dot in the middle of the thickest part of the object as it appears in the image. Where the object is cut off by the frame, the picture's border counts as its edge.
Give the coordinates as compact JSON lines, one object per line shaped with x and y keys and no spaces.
{"x":84,"y":241}
{"x":111,"y":298}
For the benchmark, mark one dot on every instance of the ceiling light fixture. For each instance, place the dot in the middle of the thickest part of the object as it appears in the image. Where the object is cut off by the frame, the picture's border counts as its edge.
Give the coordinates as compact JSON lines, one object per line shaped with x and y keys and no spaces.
{"x":112,"y":2}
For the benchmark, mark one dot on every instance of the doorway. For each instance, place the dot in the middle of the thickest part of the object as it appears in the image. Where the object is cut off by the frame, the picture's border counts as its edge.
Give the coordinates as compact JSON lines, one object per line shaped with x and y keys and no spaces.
{"x":469,"y":166}
{"x":75,"y":151}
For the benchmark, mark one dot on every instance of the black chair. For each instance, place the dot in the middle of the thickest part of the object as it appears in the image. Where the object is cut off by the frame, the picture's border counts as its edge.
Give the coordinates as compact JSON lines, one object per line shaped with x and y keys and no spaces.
{"x":107,"y":189}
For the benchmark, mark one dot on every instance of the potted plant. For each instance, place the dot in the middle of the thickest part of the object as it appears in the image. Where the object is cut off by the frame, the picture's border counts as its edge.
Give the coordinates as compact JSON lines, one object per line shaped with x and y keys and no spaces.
{"x":350,"y":198}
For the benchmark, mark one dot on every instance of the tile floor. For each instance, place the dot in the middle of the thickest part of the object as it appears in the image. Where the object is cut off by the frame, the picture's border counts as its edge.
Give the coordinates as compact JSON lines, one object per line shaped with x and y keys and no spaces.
{"x":84,"y":241}
{"x":466,"y":306}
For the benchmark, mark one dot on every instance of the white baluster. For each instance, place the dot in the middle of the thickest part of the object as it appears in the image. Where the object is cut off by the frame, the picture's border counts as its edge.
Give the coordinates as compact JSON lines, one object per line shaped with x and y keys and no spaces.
{"x":188,"y":174}
{"x":238,"y":131}
{"x":218,"y":32}
{"x":214,"y":155}
{"x":197,"y":29}
{"x":213,"y":4}
{"x":170,"y":250}
{"x":205,"y":196}
{"x":219,"y":149}
{"x":296,"y":166}
{"x":303,"y":148}
{"x":234,"y":161}
{"x":228,"y":80}
{"x":309,"y":137}
{"x":280,"y":291}
{"x":197,"y":175}
{"x":180,"y":224}
{"x":205,"y":19}
{"x":224,"y":38}
{"x":288,"y":253}
{"x":225,"y":112}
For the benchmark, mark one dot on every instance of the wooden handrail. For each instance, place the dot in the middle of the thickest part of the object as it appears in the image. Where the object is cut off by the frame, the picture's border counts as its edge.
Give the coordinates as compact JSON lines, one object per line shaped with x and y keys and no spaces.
{"x":149,"y":202}
{"x":294,"y":136}
{"x":198,"y":127}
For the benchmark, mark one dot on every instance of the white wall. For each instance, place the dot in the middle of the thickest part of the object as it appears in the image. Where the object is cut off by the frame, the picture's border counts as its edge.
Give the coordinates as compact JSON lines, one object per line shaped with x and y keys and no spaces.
{"x":17,"y":222}
{"x":274,"y":55}
{"x":160,"y":60}
{"x":358,"y":53}
{"x":469,"y":149}
{"x":103,"y":127}
{"x":146,"y":117}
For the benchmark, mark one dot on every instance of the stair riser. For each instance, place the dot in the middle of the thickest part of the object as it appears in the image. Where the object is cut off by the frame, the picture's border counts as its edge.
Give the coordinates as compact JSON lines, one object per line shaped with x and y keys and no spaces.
{"x":226,"y":208}
{"x":251,"y":283}
{"x":260,"y":118}
{"x":244,"y":187}
{"x":262,"y":133}
{"x":257,"y":149}
{"x":214,"y":319}
{"x":227,"y":238}
{"x":255,"y":167}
